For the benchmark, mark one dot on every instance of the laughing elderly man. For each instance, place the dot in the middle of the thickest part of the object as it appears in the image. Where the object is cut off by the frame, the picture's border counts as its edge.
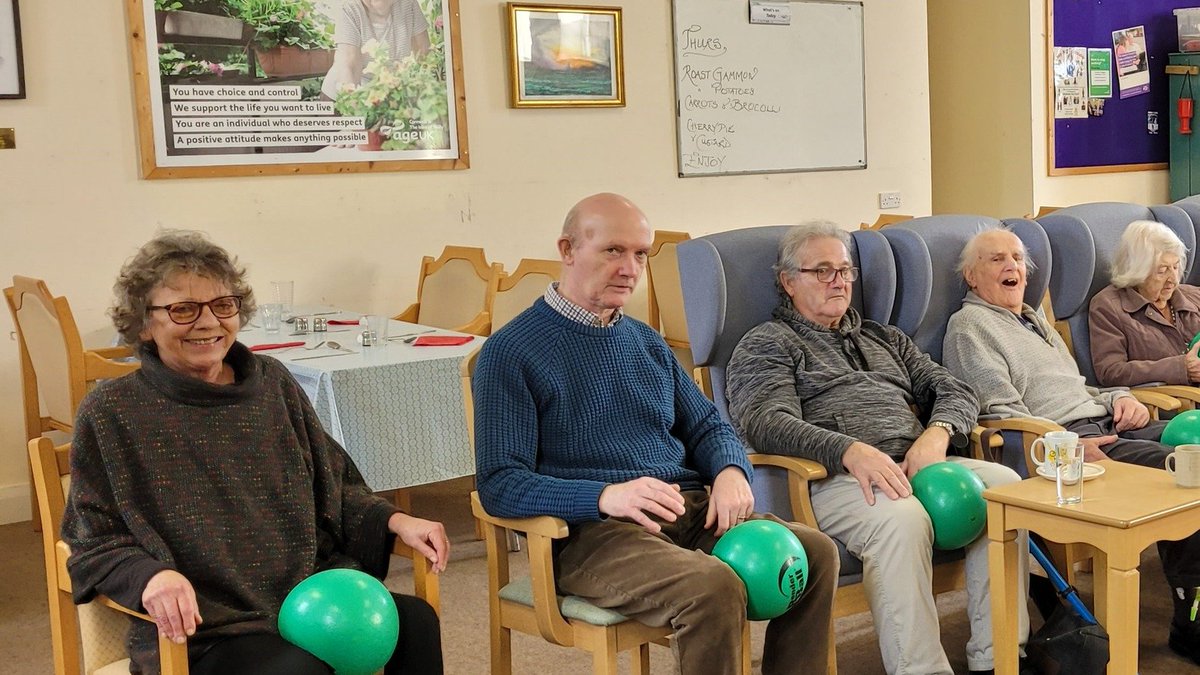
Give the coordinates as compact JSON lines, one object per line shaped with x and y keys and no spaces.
{"x":822,"y":383}
{"x":1021,"y":368}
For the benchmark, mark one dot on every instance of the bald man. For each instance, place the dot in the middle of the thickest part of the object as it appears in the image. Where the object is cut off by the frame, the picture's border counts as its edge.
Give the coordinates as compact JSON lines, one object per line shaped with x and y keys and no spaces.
{"x":583,"y":413}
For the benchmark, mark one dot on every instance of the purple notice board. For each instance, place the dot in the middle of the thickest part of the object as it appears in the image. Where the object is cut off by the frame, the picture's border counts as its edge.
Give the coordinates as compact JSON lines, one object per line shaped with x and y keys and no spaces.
{"x":1118,"y":140}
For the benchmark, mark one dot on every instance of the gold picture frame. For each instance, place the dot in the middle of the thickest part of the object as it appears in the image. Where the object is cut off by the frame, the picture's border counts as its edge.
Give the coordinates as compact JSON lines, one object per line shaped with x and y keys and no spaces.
{"x":565,"y":56}
{"x":214,"y":97}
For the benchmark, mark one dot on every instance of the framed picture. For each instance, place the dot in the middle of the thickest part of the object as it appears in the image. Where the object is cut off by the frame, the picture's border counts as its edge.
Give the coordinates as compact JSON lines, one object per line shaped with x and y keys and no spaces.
{"x":254,"y":87}
{"x":564,"y":56}
{"x":12,"y":70}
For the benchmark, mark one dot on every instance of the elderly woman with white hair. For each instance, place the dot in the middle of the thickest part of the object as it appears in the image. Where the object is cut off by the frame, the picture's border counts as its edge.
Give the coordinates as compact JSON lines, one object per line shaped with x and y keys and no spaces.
{"x":1140,"y":325}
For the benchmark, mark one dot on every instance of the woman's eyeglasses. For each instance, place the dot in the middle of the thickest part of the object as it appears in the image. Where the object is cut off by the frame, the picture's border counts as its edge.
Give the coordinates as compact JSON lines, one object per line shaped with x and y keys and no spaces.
{"x":184,"y":313}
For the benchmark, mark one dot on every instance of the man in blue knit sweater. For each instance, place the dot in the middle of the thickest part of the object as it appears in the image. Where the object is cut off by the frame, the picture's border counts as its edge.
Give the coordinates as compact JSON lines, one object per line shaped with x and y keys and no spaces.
{"x":584,"y":414}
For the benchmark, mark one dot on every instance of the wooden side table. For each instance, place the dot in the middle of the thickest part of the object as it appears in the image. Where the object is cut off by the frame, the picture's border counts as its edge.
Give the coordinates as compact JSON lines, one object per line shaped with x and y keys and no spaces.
{"x":1123,"y":511}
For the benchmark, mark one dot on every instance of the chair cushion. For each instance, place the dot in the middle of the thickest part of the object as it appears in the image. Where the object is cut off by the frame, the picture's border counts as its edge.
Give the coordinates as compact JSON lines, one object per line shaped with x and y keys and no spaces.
{"x":520,"y":591}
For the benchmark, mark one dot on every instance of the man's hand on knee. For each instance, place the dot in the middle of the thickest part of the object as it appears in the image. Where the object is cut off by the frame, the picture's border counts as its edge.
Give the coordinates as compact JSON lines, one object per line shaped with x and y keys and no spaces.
{"x":641,"y":498}
{"x":871,"y":468}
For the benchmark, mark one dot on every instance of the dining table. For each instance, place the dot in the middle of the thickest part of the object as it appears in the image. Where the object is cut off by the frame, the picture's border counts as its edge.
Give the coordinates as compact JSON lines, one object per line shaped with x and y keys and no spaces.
{"x":395,"y":406}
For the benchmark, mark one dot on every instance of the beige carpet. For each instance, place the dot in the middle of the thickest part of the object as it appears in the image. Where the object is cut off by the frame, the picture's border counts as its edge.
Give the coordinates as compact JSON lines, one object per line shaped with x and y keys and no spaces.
{"x":25,"y":631}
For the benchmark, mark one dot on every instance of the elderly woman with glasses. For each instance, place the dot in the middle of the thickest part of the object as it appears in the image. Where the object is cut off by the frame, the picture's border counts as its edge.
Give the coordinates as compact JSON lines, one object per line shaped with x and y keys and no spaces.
{"x":203,"y":487}
{"x":1141,"y":324}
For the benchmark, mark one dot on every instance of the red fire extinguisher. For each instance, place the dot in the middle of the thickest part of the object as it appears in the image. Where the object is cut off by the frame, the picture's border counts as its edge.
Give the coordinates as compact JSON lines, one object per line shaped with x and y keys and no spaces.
{"x":1184,"y":105}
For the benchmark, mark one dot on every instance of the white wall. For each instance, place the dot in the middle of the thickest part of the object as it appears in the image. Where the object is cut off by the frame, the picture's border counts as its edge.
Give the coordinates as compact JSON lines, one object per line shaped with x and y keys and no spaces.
{"x":73,"y":208}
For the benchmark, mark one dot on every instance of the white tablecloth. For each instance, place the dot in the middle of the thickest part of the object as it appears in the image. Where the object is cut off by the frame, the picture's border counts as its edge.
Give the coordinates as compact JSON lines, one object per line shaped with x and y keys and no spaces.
{"x":396,"y":408}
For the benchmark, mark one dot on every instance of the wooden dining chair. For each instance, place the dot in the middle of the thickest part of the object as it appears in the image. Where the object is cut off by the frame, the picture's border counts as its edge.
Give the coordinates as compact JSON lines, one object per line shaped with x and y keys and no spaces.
{"x":455,"y":291}
{"x":517,"y":290}
{"x":90,"y":638}
{"x":56,"y":371}
{"x":532,"y":604}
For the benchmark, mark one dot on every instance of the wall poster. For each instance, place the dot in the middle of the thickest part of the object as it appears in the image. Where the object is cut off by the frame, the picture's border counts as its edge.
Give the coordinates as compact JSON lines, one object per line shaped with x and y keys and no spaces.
{"x":255,"y":87}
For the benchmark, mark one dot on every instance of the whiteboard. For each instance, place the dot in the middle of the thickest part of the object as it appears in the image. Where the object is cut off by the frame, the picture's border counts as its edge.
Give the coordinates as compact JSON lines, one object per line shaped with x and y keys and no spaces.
{"x":758,"y":98}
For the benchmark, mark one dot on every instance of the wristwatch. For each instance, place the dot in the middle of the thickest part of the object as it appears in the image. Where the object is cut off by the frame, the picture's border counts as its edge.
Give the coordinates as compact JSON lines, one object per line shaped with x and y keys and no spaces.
{"x":958,"y":440}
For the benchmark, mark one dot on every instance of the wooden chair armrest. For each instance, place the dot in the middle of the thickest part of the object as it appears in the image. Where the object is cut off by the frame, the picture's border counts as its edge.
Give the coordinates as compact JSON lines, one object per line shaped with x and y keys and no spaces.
{"x":546,"y":526}
{"x":409,"y":314}
{"x":805,"y":468}
{"x":1157,"y":400}
{"x":539,"y":531}
{"x":113,"y":352}
{"x":173,"y":657}
{"x":1184,"y":393}
{"x":799,"y":473}
{"x":1022,"y":424}
{"x":97,"y":367}
{"x":425,"y":583}
{"x":994,"y":441}
{"x":480,"y":325}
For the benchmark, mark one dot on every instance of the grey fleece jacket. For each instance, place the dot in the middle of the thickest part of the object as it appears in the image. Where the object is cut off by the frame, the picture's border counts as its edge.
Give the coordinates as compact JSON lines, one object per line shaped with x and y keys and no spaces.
{"x":1015,"y":371}
{"x":800,"y":389}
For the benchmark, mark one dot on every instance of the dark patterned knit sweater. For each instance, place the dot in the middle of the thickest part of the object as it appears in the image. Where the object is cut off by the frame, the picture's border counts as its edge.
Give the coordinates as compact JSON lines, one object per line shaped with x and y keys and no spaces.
{"x":563,"y":409}
{"x":236,"y":487}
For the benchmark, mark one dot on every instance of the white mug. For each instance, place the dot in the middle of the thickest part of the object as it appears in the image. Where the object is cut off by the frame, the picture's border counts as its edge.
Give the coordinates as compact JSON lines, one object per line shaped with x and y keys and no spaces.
{"x":1051,"y":442}
{"x":1184,"y":465}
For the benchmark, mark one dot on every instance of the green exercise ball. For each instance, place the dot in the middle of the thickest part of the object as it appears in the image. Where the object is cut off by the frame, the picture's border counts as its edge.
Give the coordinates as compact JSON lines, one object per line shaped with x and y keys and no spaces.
{"x":953,"y":496}
{"x":344,"y":617}
{"x":770,"y":561}
{"x":1183,"y":428}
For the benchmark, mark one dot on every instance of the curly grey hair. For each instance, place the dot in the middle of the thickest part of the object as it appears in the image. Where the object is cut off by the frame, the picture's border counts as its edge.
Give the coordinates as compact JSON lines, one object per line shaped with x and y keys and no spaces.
{"x":169,"y":253}
{"x":1142,"y":244}
{"x":795,"y":240}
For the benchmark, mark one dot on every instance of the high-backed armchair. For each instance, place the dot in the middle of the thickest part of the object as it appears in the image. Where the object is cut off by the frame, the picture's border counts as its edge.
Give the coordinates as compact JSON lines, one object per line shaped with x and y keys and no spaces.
{"x":1084,"y":240}
{"x":729,"y":288}
{"x":1191,"y":206}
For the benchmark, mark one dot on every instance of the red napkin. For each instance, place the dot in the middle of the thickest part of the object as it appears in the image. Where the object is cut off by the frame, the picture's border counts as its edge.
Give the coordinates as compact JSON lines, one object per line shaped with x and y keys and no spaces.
{"x":278,"y":345}
{"x":342,"y":322}
{"x":442,"y":340}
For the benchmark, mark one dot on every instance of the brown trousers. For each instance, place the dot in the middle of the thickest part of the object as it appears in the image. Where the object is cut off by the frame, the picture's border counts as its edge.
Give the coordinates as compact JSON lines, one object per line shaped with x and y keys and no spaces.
{"x":670,"y":578}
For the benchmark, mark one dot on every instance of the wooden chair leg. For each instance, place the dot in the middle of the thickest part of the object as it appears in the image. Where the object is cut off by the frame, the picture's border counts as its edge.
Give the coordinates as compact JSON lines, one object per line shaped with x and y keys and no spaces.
{"x":604,"y":659}
{"x":640,"y":661}
{"x":501,"y":649}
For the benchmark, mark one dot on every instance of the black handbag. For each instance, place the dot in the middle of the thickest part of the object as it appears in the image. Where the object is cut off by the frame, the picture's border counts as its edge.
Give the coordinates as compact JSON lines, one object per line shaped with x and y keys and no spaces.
{"x":1071,"y":642}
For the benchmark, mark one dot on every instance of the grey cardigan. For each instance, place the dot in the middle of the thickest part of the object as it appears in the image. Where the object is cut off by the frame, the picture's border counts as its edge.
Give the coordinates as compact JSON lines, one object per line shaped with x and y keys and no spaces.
{"x":1015,"y":371}
{"x":797,"y":388}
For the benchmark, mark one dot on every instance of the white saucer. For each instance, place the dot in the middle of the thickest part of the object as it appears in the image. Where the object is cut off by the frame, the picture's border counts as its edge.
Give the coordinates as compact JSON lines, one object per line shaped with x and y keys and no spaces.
{"x":1090,"y":471}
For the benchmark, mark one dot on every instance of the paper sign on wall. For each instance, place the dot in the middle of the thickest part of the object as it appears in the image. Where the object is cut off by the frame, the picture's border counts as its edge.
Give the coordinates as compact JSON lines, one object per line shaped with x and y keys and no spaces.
{"x":765,"y":11}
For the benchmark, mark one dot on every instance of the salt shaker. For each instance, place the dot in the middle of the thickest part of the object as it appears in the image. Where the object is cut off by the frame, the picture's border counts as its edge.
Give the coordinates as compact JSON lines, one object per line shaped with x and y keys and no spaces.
{"x":300,"y":324}
{"x":319,"y":324}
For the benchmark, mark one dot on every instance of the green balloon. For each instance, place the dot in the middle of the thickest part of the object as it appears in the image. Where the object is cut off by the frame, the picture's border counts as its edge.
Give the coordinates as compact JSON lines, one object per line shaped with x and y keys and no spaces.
{"x":770,"y":561}
{"x":1183,"y":428}
{"x":1193,"y":341}
{"x":344,"y":617}
{"x":953,"y":496}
